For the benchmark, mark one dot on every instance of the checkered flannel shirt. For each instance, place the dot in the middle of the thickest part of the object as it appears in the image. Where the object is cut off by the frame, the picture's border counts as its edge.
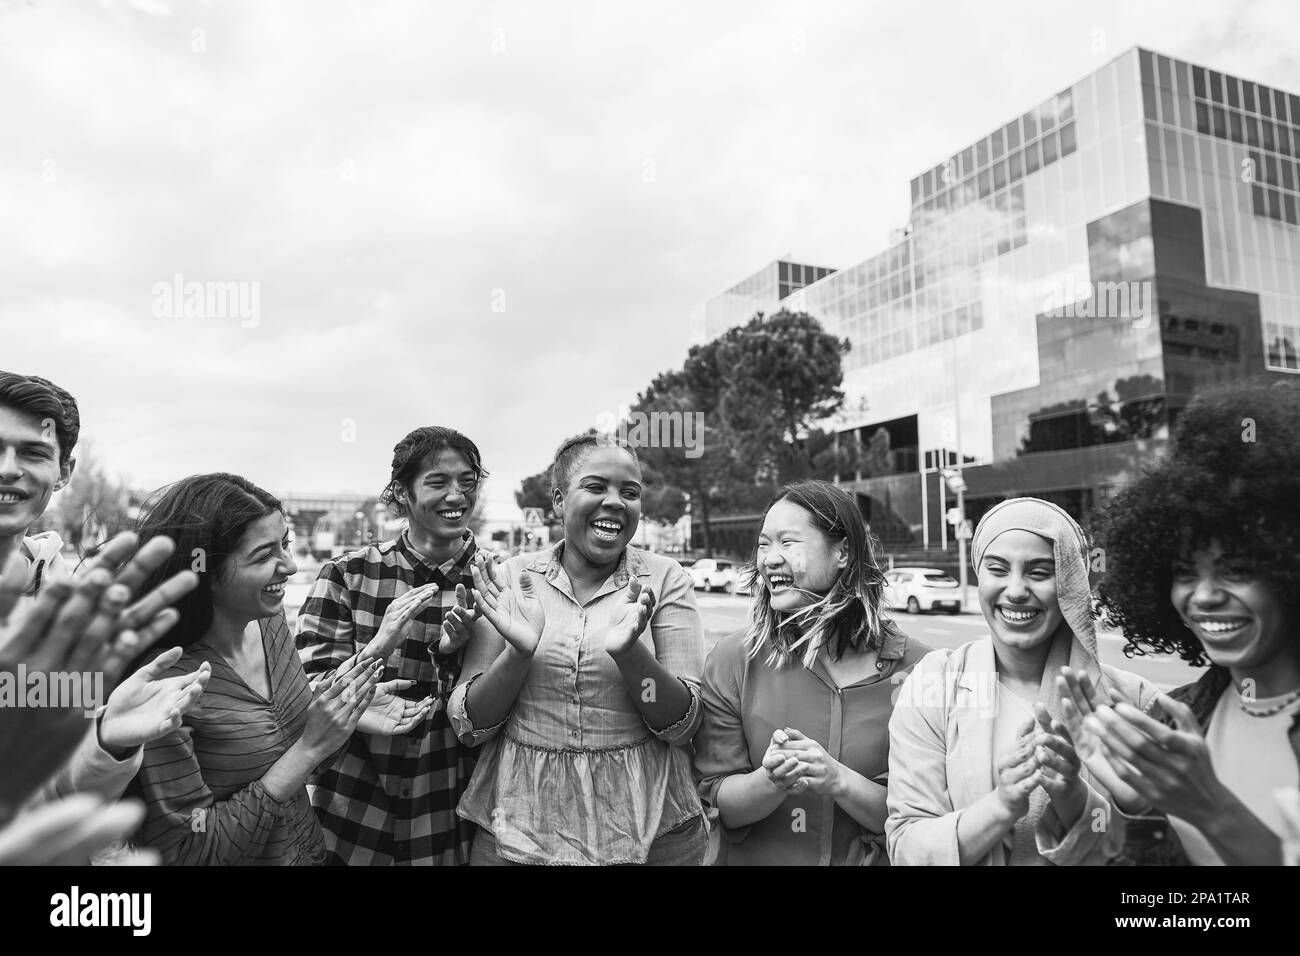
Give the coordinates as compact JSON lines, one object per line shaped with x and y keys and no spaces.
{"x":390,"y":800}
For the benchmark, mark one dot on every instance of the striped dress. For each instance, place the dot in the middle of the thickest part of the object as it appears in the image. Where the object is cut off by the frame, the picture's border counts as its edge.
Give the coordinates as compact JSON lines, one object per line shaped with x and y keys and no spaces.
{"x":203,"y":782}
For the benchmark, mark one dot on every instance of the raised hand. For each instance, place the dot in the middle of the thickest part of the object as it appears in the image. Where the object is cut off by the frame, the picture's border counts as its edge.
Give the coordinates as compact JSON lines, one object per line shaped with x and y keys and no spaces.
{"x":68,"y":832}
{"x":1169,"y":769}
{"x":339,"y":704}
{"x":518,"y":617}
{"x":147,"y":705}
{"x":389,"y":714}
{"x":1079,"y":700}
{"x":457,"y":621}
{"x":631,"y":619}
{"x":75,"y":626}
{"x":1018,"y":773}
{"x":1059,"y":766}
{"x":131,"y":564}
{"x":397,"y":620}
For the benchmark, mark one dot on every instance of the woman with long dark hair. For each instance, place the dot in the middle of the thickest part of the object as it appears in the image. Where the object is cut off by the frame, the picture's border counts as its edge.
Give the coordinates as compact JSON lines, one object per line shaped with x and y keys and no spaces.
{"x":793,"y":749}
{"x":228,"y":785}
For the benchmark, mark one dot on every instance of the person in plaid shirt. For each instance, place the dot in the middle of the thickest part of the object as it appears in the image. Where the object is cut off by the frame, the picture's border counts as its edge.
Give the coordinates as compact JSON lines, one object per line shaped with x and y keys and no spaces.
{"x":389,"y":797}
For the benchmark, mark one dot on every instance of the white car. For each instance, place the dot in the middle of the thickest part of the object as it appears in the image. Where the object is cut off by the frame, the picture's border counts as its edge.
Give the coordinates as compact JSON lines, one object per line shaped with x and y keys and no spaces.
{"x":713,"y":574}
{"x":922,"y":589}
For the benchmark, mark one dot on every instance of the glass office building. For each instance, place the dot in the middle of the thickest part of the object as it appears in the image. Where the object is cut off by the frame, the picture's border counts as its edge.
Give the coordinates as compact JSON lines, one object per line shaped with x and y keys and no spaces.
{"x":761,"y":292}
{"x":1066,"y":284}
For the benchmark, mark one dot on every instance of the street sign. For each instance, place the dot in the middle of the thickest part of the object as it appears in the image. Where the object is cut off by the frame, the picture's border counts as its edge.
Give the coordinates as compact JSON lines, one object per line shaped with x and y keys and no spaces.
{"x":533,"y":517}
{"x":954,"y":479}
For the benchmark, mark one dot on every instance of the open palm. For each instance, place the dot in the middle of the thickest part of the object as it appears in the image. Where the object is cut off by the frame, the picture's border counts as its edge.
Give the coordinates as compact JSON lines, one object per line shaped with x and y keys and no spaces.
{"x":147,"y":705}
{"x":517,"y":615}
{"x":631,"y":618}
{"x":1079,"y":700}
{"x":389,"y":714}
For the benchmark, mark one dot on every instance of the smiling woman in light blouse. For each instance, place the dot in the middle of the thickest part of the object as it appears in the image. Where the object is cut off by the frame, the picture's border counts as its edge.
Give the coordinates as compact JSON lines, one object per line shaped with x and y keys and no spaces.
{"x":584,"y":691}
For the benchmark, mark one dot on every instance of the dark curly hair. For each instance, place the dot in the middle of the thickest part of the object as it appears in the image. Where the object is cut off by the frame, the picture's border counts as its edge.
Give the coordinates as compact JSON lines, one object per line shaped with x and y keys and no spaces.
{"x":1233,"y":475}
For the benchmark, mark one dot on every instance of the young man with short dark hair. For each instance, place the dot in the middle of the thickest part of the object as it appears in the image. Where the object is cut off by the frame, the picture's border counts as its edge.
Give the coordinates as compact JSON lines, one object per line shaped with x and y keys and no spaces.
{"x":389,"y":798}
{"x":39,"y":426}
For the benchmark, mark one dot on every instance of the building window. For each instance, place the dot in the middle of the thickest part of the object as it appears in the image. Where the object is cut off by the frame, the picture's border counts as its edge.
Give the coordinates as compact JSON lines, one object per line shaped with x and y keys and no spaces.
{"x":1282,"y":341}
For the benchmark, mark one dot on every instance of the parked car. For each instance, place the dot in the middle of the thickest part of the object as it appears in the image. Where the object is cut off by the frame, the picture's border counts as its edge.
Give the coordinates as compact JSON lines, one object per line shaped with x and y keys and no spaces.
{"x":713,"y":574}
{"x":922,"y":589}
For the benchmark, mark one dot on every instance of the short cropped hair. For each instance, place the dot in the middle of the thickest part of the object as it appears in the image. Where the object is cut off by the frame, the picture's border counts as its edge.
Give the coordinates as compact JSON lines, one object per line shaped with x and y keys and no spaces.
{"x":42,"y":398}
{"x":570,"y":456}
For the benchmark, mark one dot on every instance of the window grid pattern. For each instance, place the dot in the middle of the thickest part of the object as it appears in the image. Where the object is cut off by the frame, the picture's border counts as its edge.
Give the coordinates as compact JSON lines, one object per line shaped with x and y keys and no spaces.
{"x":1181,"y":100}
{"x":1025,"y":145}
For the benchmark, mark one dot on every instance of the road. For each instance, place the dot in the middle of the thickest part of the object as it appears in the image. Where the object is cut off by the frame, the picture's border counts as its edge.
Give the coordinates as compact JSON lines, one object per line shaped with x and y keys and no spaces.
{"x":724,"y":614}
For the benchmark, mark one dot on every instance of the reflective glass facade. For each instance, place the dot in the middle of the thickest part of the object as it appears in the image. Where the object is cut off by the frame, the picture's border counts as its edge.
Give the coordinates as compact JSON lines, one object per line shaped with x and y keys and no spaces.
{"x":761,"y":292}
{"x":1069,"y":280}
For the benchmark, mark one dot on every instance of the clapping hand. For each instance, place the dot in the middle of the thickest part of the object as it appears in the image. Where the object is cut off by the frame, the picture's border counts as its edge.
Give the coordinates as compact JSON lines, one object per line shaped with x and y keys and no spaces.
{"x":814,"y":769}
{"x":1019,"y":772}
{"x":1059,"y":765}
{"x":518,"y":617}
{"x":1166,"y":767}
{"x":390,"y":714}
{"x":77,"y":626}
{"x":396,"y":623}
{"x":147,"y":705}
{"x":630,"y":619}
{"x":340,"y":702}
{"x":1079,"y":700}
{"x":780,"y":766}
{"x":69,"y":832}
{"x":457,"y":622}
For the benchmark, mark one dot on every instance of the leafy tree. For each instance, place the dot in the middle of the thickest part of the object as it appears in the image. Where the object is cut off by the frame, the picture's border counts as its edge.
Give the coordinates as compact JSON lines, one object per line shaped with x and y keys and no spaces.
{"x":783,"y":377}
{"x":759,"y":392}
{"x":715,"y":478}
{"x":94,"y":506}
{"x":535,"y":492}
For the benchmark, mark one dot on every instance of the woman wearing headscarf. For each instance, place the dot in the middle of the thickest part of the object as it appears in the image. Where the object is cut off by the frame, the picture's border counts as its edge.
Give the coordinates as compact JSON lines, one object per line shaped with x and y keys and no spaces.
{"x":981,"y":767}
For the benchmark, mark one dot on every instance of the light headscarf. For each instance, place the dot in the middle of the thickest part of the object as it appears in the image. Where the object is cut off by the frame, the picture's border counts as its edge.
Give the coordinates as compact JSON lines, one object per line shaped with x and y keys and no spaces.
{"x":1070,"y":552}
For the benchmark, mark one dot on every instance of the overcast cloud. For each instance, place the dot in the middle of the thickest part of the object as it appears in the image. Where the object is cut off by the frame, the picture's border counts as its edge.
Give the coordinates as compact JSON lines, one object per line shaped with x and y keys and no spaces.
{"x":388,"y":172}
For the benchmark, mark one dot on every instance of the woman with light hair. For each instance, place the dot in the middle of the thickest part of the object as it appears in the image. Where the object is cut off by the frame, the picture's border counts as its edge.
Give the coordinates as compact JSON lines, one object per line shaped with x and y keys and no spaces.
{"x":982,"y":767}
{"x":793,"y":749}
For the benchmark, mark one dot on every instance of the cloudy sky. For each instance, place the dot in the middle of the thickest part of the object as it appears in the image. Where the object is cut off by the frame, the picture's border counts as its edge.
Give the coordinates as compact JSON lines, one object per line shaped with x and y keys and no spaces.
{"x":496,"y":216}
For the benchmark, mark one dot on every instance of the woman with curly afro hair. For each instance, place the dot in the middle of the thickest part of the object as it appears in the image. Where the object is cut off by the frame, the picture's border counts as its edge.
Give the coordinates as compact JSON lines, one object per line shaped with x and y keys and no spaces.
{"x":1203,"y":555}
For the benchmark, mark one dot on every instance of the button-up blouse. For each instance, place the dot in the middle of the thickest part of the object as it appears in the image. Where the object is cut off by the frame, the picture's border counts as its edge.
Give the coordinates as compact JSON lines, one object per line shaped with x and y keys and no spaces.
{"x":574,"y":774}
{"x":745,"y":700}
